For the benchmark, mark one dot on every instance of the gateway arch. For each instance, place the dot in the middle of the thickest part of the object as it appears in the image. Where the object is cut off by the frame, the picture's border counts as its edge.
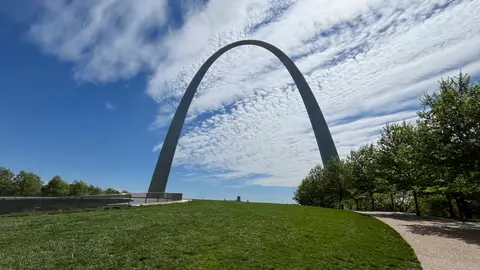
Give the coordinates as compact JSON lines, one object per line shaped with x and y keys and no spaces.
{"x":324,"y":139}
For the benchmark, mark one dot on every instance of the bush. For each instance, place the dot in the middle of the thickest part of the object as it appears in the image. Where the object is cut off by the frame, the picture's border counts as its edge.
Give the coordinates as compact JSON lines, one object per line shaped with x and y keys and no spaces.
{"x":437,"y":205}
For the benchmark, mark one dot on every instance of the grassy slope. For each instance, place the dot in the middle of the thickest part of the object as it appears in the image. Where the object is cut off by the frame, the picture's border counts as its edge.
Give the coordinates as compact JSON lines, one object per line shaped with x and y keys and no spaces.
{"x":203,"y":235}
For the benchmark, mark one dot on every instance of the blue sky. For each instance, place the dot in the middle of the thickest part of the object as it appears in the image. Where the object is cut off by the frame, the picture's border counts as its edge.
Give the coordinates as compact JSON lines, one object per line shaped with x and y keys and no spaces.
{"x":88,"y":88}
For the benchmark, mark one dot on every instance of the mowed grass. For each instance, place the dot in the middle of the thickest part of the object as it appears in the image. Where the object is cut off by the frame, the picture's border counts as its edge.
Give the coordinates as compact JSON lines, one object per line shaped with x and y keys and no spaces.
{"x":202,"y":235}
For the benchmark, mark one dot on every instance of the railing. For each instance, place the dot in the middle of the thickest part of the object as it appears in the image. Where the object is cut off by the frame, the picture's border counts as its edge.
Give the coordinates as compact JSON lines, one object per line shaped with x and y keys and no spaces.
{"x":155,"y":197}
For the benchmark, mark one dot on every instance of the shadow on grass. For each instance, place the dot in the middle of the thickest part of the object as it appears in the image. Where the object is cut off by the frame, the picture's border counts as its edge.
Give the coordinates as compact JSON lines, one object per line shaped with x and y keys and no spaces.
{"x":447,"y":228}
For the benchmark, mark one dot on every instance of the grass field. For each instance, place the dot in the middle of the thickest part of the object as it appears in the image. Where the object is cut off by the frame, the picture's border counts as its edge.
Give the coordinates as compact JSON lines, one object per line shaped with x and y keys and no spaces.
{"x":202,"y":235}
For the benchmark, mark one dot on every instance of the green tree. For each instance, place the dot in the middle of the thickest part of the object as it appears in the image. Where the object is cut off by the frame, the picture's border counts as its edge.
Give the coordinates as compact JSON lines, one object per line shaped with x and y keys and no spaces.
{"x":399,"y":158}
{"x":336,"y":176}
{"x":56,"y":187}
{"x":305,"y":194}
{"x":95,"y":190}
{"x":451,"y":118}
{"x":78,"y":188}
{"x":309,"y":191}
{"x":437,"y":160}
{"x":6,"y":182}
{"x":27,"y":184}
{"x":111,"y":191}
{"x":450,"y":130}
{"x":364,"y":167}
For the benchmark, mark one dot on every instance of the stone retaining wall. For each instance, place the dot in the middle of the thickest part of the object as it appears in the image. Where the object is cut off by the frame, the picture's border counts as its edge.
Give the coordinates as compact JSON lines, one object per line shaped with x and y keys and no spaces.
{"x":28,"y":204}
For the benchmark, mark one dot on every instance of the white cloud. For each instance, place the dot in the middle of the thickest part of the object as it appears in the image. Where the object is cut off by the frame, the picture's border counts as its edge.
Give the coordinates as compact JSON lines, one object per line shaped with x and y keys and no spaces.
{"x":106,"y":39}
{"x":367,"y":62}
{"x":110,"y":106}
{"x":157,"y":147}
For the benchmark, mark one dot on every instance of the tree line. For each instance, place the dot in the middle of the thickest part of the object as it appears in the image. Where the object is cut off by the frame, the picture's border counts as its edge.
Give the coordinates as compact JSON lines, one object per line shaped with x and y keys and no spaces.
{"x":30,"y":184}
{"x":431,"y":166}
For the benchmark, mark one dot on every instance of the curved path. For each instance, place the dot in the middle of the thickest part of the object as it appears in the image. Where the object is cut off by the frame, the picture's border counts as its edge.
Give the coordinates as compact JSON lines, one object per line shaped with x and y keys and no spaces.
{"x":439,"y":243}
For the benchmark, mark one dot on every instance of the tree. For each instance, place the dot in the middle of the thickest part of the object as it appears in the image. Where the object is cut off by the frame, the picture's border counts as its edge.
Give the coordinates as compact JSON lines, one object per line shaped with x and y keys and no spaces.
{"x":336,"y":176}
{"x":56,"y":187}
{"x":305,"y":193}
{"x":451,"y":118}
{"x":92,"y":190}
{"x":6,"y":182}
{"x":314,"y":190}
{"x":27,"y":184}
{"x":111,"y":191}
{"x":437,"y":159}
{"x":450,"y":128}
{"x":399,"y":159}
{"x":326,"y":187}
{"x":78,"y":188}
{"x":309,"y":192}
{"x":363,"y":164}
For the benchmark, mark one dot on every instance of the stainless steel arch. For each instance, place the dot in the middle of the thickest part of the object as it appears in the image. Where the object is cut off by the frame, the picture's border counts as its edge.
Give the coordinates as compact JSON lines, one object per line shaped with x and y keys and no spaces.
{"x":324,"y":139}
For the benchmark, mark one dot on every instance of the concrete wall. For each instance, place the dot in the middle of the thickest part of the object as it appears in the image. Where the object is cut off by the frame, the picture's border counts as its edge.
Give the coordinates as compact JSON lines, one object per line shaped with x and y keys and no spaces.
{"x":28,"y":204}
{"x":159,"y":195}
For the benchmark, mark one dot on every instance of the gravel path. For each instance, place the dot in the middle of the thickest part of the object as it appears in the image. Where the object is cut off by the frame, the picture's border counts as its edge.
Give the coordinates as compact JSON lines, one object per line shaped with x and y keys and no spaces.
{"x":439,"y":243}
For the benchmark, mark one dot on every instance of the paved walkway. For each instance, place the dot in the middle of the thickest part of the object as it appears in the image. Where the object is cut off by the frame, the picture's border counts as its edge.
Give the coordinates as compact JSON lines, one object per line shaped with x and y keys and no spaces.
{"x":439,"y":243}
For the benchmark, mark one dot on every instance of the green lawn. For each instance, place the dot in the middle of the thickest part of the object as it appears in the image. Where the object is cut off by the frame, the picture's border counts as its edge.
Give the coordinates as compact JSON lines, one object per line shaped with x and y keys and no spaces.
{"x":202,"y":235}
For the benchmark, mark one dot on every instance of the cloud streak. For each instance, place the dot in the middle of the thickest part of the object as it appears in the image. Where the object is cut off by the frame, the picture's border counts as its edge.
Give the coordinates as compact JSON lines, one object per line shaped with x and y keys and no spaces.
{"x":110,"y":106}
{"x":367,"y":61}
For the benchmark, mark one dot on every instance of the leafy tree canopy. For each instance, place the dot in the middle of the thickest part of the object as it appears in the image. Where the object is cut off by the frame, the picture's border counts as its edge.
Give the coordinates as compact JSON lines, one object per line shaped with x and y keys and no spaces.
{"x":56,"y":187}
{"x":6,"y":182}
{"x":27,"y":184}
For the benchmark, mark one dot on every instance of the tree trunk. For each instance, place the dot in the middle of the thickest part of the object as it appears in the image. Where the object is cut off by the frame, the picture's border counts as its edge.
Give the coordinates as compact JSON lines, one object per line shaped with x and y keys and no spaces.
{"x":417,"y":209}
{"x":460,"y":209}
{"x":392,"y":201}
{"x":467,"y":213}
{"x":372,"y":201}
{"x":468,"y":210}
{"x":450,"y":206}
{"x":341,"y":200}
{"x":358,"y":206}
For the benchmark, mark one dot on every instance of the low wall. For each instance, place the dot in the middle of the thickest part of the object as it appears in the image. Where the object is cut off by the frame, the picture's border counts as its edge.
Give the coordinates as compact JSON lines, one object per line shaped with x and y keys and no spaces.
{"x":28,"y":204}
